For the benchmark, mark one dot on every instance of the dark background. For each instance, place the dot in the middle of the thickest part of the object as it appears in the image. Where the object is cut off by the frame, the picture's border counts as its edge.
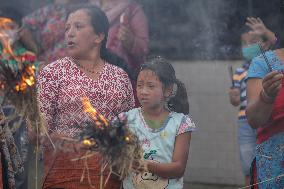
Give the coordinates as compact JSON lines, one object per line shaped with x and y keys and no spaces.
{"x":195,"y":29}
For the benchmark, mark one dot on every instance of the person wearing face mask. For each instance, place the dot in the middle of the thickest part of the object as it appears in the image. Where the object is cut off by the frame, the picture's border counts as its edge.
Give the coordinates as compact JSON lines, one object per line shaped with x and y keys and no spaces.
{"x":254,"y":38}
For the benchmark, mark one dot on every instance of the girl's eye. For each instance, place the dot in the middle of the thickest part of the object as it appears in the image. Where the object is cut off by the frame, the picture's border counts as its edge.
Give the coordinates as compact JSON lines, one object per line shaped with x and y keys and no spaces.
{"x":79,"y":26}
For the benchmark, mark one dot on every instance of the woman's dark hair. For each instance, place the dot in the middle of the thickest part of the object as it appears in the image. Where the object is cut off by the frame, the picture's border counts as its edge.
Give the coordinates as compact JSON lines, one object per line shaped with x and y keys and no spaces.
{"x":178,"y":102}
{"x":100,"y":24}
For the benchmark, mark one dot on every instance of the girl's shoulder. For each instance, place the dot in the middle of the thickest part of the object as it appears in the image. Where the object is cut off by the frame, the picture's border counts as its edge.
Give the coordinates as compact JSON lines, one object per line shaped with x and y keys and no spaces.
{"x":133,"y":113}
{"x":183,"y":122}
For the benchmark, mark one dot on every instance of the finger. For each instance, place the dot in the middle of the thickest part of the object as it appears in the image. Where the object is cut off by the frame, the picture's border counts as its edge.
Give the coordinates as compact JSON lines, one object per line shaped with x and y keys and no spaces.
{"x":270,"y":75}
{"x":250,"y":20}
{"x":253,"y":20}
{"x":271,"y":86}
{"x":259,"y":20}
{"x":267,"y":84}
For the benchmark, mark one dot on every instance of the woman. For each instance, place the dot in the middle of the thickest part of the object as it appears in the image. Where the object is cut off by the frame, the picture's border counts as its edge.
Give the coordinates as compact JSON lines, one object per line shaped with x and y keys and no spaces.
{"x":265,"y":111}
{"x":128,"y":34}
{"x":47,"y":25}
{"x":87,"y":72}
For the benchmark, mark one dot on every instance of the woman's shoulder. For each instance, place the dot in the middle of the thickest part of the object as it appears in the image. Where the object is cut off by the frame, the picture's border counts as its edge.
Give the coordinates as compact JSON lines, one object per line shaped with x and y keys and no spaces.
{"x":116,"y":71}
{"x":57,"y":66}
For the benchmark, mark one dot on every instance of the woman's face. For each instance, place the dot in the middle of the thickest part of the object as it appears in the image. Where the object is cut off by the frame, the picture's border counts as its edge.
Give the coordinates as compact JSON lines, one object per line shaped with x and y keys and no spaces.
{"x":80,"y":36}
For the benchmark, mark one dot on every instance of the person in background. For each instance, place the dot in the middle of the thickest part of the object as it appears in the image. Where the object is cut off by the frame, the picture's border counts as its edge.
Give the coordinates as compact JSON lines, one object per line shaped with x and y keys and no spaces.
{"x":44,"y":29}
{"x":257,"y":34}
{"x":15,"y":149}
{"x":265,"y":96}
{"x":128,"y":34}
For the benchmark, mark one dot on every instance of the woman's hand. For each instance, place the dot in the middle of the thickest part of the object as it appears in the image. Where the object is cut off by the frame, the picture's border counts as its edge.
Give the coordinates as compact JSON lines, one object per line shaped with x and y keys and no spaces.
{"x":271,"y":84}
{"x":126,"y":36}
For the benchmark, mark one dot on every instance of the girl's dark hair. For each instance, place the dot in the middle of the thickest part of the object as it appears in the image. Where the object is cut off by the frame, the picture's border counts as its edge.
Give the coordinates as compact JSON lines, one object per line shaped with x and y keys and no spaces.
{"x":178,"y":102}
{"x":100,"y":25}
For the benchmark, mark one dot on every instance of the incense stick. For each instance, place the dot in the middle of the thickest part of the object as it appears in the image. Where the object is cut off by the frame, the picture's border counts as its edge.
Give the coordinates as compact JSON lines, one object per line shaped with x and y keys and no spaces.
{"x":265,"y":58}
{"x":268,"y":180}
{"x":230,"y":69}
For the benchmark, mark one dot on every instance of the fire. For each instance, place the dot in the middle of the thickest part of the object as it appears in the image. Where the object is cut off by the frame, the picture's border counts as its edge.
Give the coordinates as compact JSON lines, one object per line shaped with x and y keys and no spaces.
{"x":98,"y":118}
{"x":6,"y":24}
{"x":27,"y":79}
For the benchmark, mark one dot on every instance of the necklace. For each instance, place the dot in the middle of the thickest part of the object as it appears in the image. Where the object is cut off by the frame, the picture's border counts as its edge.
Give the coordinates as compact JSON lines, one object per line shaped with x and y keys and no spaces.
{"x":88,"y":70}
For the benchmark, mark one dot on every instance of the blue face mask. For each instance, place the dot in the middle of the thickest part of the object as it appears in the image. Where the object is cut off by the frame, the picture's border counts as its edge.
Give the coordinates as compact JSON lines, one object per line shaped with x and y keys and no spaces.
{"x":251,"y":51}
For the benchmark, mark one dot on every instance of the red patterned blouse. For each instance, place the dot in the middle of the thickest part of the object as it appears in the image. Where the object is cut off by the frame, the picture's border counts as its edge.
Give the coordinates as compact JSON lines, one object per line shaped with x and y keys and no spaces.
{"x":62,"y":85}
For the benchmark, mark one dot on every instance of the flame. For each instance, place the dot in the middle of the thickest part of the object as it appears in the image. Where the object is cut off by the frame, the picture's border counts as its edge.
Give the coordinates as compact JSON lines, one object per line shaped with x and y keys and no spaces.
{"x":98,"y":118}
{"x":6,"y":24}
{"x":27,"y":79}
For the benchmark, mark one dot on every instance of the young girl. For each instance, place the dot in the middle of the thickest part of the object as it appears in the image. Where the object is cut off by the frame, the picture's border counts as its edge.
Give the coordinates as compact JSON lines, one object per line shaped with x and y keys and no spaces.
{"x":162,"y":126}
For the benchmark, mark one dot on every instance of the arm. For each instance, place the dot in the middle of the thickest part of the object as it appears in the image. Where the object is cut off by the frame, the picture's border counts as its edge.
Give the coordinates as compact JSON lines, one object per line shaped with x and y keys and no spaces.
{"x":176,"y":168}
{"x":48,"y":84}
{"x":135,"y":38}
{"x":261,"y":95}
{"x":28,"y":40}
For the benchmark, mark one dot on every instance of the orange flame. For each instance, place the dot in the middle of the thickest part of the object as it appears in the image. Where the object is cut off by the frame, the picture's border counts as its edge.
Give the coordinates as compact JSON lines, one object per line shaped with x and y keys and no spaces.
{"x":28,"y":79}
{"x":88,"y":108}
{"x":6,"y":24}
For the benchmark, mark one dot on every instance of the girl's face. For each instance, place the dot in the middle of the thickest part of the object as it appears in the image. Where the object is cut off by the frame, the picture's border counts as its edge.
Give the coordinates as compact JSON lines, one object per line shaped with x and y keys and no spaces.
{"x":150,"y":91}
{"x":80,"y":36}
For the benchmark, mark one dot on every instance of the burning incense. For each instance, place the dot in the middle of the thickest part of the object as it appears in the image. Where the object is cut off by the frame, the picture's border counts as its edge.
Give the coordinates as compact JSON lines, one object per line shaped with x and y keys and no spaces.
{"x":265,"y":58}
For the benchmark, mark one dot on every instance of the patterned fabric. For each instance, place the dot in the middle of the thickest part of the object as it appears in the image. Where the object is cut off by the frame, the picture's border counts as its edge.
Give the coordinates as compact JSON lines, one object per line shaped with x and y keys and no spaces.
{"x":12,"y":162}
{"x":62,"y":85}
{"x":158,"y":146}
{"x":48,"y":26}
{"x":240,"y":83}
{"x":270,"y":162}
{"x":13,"y":133}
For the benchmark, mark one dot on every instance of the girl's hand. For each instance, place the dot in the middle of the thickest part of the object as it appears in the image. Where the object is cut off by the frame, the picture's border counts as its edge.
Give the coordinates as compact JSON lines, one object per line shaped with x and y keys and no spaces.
{"x":139,"y":166}
{"x":126,"y":36}
{"x":271,"y":84}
